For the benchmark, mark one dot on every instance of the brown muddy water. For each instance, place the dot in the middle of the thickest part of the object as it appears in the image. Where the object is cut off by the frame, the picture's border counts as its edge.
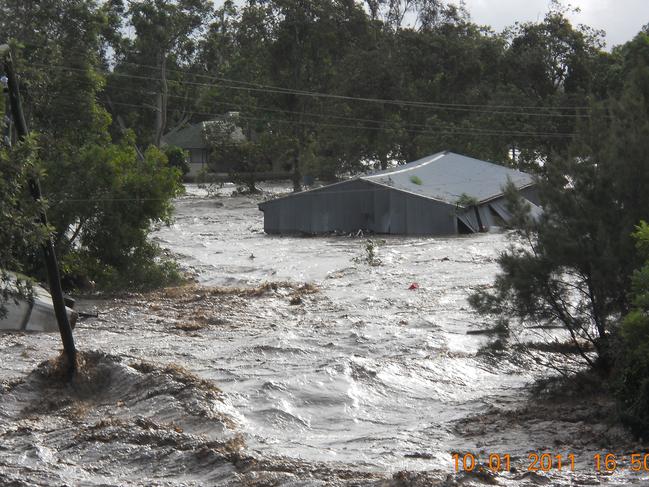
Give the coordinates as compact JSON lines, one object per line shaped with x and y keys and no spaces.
{"x":293,"y":361}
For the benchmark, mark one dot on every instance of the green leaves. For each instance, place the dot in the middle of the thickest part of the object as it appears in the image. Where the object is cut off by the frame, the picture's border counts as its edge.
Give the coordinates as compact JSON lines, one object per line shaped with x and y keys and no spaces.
{"x":633,"y":361}
{"x":102,"y":197}
{"x":177,"y":158}
{"x":113,"y":202}
{"x":21,"y":233}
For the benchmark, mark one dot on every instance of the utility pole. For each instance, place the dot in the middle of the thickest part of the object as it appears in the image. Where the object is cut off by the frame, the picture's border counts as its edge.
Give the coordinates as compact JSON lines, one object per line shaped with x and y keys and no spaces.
{"x":53,"y":275}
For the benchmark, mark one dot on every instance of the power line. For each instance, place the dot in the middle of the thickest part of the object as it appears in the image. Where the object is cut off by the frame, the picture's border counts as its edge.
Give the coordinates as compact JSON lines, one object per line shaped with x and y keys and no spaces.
{"x":314,"y":93}
{"x":386,"y":124}
{"x":446,"y":130}
{"x":403,"y":103}
{"x":319,"y":124}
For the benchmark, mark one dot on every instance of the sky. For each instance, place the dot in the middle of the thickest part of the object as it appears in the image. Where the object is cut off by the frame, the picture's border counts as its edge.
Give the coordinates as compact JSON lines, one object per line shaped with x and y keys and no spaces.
{"x":621,"y":19}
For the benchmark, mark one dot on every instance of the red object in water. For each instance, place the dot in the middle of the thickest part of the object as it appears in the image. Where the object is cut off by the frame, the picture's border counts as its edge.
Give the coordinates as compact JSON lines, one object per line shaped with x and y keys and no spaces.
{"x":414,"y":286}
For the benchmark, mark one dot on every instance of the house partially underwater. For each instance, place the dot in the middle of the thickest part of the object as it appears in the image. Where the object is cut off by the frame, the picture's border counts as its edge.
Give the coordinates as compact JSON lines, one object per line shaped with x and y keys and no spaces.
{"x":442,"y":194}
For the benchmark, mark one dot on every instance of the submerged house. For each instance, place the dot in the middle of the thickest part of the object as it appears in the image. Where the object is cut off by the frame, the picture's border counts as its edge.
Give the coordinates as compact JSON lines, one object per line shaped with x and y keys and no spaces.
{"x":442,"y":194}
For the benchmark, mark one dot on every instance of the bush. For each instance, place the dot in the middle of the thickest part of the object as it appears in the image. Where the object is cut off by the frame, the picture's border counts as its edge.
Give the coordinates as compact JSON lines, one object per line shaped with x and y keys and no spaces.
{"x":466,"y":201}
{"x":633,"y":386}
{"x":572,"y":265}
{"x":103,"y":215}
{"x":177,"y":158}
{"x":148,"y":269}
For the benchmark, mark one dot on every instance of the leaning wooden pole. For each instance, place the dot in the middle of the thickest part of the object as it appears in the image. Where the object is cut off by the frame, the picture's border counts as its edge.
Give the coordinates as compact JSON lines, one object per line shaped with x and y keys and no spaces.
{"x":53,"y":275}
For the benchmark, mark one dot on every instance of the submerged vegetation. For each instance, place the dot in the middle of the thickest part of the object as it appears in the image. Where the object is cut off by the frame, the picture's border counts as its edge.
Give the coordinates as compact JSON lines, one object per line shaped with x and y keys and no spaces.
{"x":370,"y":255}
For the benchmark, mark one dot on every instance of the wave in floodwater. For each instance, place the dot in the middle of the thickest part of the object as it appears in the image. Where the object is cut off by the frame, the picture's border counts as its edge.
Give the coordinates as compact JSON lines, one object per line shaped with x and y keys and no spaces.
{"x":354,"y":379}
{"x":133,"y":423}
{"x":116,"y":422}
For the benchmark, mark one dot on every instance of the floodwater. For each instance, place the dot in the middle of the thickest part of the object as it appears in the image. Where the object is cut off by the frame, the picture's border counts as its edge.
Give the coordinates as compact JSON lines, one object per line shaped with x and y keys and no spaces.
{"x":355,"y":379}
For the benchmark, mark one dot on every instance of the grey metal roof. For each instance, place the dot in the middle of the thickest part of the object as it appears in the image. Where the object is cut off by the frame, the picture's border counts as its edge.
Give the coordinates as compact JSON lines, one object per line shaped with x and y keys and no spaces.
{"x":447,"y":176}
{"x":444,"y":177}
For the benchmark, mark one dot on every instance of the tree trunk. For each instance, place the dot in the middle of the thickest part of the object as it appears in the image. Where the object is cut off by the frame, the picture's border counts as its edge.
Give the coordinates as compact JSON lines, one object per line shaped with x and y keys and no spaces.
{"x":161,"y":101}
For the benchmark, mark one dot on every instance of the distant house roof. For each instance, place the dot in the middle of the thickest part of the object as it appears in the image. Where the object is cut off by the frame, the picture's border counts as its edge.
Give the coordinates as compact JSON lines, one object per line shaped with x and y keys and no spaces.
{"x":447,"y":176}
{"x":193,"y":136}
{"x":188,"y":138}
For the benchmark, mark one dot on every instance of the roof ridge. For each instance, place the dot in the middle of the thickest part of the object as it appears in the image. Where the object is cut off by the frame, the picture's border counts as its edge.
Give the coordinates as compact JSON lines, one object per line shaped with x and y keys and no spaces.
{"x":404,"y":167}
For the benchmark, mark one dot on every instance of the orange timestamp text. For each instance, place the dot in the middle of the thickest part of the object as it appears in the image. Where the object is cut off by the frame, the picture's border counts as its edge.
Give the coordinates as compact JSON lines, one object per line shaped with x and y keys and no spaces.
{"x":609,"y":462}
{"x":501,"y":462}
{"x":546,"y":462}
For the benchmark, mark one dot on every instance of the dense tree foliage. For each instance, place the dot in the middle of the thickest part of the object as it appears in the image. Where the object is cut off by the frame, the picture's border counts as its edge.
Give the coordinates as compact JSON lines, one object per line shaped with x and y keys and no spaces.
{"x":21,"y":232}
{"x":155,"y":63}
{"x":177,"y":158}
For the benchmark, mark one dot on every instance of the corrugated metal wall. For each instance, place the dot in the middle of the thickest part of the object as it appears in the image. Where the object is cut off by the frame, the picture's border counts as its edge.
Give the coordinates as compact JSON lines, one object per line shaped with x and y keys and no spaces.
{"x":358,"y":205}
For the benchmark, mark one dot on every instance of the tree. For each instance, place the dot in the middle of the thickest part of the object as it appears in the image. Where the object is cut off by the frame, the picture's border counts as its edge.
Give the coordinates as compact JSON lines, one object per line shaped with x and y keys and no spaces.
{"x":552,"y":64}
{"x":573,"y":266}
{"x":124,"y":197}
{"x":286,"y":50}
{"x":245,"y":151}
{"x":427,"y":13}
{"x":310,"y":37}
{"x":102,"y":198}
{"x":177,"y":158}
{"x":56,"y":45}
{"x":155,"y":64}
